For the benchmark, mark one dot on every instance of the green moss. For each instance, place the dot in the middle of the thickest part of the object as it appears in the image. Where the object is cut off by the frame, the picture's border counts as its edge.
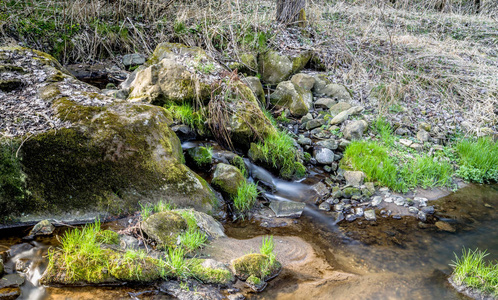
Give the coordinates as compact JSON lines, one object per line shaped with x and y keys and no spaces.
{"x":13,"y":190}
{"x":132,"y":267}
{"x":227,"y":179}
{"x":164,"y":228}
{"x":255,"y":264}
{"x":208,"y":275}
{"x":202,"y":156}
{"x":107,"y":237}
{"x":253,"y":280}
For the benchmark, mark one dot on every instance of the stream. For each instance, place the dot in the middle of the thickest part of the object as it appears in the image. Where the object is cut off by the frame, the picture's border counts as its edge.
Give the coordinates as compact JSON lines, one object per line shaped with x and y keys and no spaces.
{"x":387,"y":259}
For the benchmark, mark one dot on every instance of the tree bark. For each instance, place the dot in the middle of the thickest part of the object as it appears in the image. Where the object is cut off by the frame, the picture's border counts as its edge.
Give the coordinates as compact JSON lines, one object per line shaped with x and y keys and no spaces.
{"x":291,"y":11}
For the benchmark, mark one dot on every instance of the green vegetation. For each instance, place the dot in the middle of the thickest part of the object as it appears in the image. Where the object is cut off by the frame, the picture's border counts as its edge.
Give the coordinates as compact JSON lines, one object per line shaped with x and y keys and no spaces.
{"x":245,"y":200}
{"x":379,"y":164}
{"x":385,"y":131}
{"x":193,"y":238}
{"x":238,"y":162}
{"x":473,"y":271}
{"x":180,"y":266}
{"x":261,"y":265}
{"x":186,"y":114}
{"x":209,"y":275}
{"x":478,"y":160}
{"x":202,"y":156}
{"x":12,"y":180}
{"x":279,"y":152}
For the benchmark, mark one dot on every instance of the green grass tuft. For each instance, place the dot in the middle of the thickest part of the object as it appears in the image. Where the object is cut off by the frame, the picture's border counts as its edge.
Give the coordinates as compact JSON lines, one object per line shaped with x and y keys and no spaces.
{"x":471,"y":270}
{"x":267,"y":246}
{"x":380,"y":165}
{"x":245,"y":200}
{"x":186,"y":114}
{"x":478,"y":160}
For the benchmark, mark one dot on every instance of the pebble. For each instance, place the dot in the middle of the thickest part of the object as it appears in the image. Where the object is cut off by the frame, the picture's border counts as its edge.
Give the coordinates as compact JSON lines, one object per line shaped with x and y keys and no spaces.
{"x":324,"y":206}
{"x":399,"y":201}
{"x":389,"y":199}
{"x":428,"y":210}
{"x":350,"y":217}
{"x":370,"y":215}
{"x":413,"y":210}
{"x":420,"y":201}
{"x":376,"y":200}
{"x":422,"y":216}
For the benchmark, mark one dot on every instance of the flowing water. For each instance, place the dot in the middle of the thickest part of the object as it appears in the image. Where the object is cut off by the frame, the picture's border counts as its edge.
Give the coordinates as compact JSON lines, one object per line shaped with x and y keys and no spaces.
{"x":388,"y":259}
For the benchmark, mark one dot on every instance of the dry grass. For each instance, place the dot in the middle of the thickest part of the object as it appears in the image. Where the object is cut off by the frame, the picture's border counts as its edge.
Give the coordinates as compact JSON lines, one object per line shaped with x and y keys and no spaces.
{"x":442,"y":65}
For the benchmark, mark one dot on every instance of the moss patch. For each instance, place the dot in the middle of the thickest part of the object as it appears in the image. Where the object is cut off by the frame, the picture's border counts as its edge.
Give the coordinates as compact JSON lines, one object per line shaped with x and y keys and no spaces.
{"x":257,"y":265}
{"x":164,"y":228}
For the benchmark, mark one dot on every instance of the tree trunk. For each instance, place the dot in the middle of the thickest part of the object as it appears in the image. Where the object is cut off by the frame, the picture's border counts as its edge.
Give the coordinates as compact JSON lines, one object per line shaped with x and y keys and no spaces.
{"x":291,"y":11}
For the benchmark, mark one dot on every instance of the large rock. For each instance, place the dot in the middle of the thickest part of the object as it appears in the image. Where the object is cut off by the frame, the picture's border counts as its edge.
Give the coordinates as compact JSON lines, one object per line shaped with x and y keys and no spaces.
{"x":89,"y":153}
{"x":227,"y":179}
{"x":164,"y":228}
{"x":339,"y":107}
{"x":304,"y":81}
{"x":206,"y":223}
{"x":175,"y":73}
{"x":355,"y":130}
{"x":324,"y":88}
{"x":257,"y":88}
{"x":354,"y":178}
{"x":290,"y":96}
{"x":275,"y":67}
{"x":324,"y":156}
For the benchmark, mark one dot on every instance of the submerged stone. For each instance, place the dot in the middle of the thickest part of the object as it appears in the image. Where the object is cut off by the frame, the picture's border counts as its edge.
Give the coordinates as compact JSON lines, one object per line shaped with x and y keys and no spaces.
{"x":287,"y":209}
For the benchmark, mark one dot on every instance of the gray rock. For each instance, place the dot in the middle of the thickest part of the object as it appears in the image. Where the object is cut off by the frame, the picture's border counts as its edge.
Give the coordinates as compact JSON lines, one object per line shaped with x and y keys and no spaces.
{"x":421,"y":202}
{"x":350,"y":217}
{"x":340,"y":118}
{"x":355,"y":110}
{"x":194,"y":290}
{"x":304,"y":80}
{"x":11,"y":281}
{"x":315,"y":123}
{"x":402,"y":131}
{"x":304,"y":140}
{"x":339,"y":107}
{"x":332,"y":90}
{"x":227,"y":179}
{"x":413,"y":210}
{"x":257,"y":88}
{"x":324,"y":156}
{"x":354,"y":178}
{"x":389,"y":199}
{"x":370,"y":215}
{"x":292,"y":97}
{"x":134,"y":59}
{"x":355,"y":130}
{"x":339,"y":207}
{"x":400,"y":201}
{"x":287,"y":209}
{"x":275,"y":67}
{"x":329,"y":144}
{"x":306,"y":118}
{"x":206,"y":223}
{"x":416,"y":146}
{"x":42,"y":228}
{"x":325,"y":103}
{"x":428,"y":210}
{"x":376,"y":200}
{"x":405,"y":142}
{"x":324,"y":206}
{"x":359,"y":211}
{"x":370,"y":187}
{"x":423,"y":136}
{"x":321,"y":190}
{"x":422,"y":216}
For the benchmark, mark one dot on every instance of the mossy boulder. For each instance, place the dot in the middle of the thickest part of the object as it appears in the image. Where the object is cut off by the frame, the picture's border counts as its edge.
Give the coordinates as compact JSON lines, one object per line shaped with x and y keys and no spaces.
{"x":227,"y":179}
{"x":211,"y":271}
{"x":275,"y":67}
{"x":323,"y":87}
{"x":89,"y":153}
{"x":206,"y":223}
{"x":293,"y":97}
{"x":255,"y":264}
{"x":247,"y":64}
{"x":257,"y":88}
{"x":174,"y":73}
{"x":164,"y":228}
{"x":200,"y":156}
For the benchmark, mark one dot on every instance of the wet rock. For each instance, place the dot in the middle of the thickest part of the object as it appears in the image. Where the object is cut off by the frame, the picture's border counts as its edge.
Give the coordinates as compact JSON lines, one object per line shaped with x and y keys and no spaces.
{"x":423,"y":136}
{"x":428,"y":210}
{"x":11,"y":281}
{"x":324,"y":156}
{"x":290,"y":96}
{"x":445,"y":226}
{"x":134,"y":59}
{"x":324,"y":206}
{"x":329,"y":144}
{"x":257,"y":265}
{"x":164,"y":228}
{"x":256,"y":284}
{"x":370,"y":215}
{"x":257,"y":88}
{"x":10,"y":293}
{"x":422,"y":216}
{"x":400,"y":201}
{"x":184,"y":132}
{"x":287,"y":209}
{"x":389,"y":199}
{"x":350,"y":217}
{"x":339,"y":207}
{"x":304,"y":80}
{"x":376,"y":200}
{"x":413,"y":210}
{"x":325,"y":103}
{"x":227,"y":179}
{"x":359,"y":211}
{"x":321,"y":190}
{"x":421,"y":202}
{"x":206,"y":223}
{"x":127,"y":242}
{"x":192,"y":291}
{"x":42,"y":228}
{"x":315,"y":123}
{"x":2,"y":269}
{"x":355,"y":130}
{"x":275,"y":67}
{"x":237,"y":296}
{"x":354,"y":178}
